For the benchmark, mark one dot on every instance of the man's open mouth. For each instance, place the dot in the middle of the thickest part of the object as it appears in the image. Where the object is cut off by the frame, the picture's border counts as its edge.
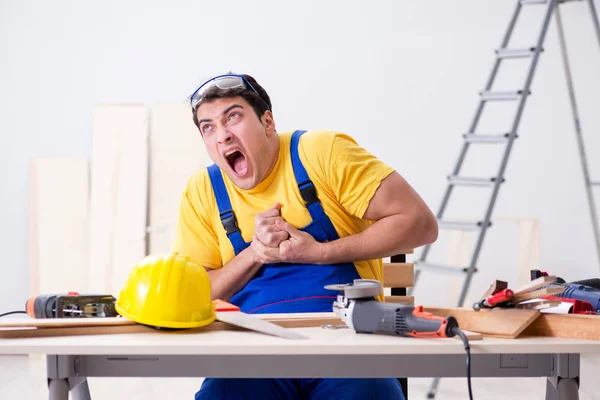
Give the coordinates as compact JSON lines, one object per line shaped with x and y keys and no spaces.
{"x":238,"y":162}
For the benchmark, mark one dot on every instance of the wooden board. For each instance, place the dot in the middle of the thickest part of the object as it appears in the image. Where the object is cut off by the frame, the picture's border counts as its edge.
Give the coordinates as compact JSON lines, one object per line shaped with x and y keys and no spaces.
{"x":471,"y":336}
{"x":104,"y":326}
{"x":569,"y":326}
{"x":58,"y":225}
{"x":498,"y":322}
{"x":25,"y":322}
{"x":400,"y":299}
{"x":118,"y":195}
{"x":15,"y":333}
{"x":398,"y":275}
{"x":495,"y":287}
{"x":528,"y":247}
{"x":535,"y":284}
{"x":545,"y":292}
{"x":127,"y":327}
{"x":42,"y":323}
{"x":30,"y":332}
{"x":177,"y":151}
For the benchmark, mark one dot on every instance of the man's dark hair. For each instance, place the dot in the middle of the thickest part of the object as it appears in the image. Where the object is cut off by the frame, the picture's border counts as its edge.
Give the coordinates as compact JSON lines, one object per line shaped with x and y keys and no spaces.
{"x":260,"y":102}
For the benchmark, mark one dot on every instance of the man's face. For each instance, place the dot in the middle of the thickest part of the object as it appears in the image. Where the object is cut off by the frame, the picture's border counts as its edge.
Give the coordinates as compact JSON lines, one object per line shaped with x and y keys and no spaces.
{"x":237,"y":140}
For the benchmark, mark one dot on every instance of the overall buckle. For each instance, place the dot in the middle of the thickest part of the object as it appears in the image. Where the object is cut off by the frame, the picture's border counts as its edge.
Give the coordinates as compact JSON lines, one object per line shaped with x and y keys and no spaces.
{"x":229,"y":222}
{"x":308,"y":192}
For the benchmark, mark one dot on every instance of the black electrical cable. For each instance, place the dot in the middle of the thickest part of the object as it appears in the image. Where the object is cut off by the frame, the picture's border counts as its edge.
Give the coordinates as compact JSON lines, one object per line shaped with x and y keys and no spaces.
{"x":465,"y":341}
{"x":12,"y":312}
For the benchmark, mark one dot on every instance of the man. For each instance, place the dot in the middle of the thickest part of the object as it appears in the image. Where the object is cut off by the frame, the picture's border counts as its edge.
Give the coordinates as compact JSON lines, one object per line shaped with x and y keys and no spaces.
{"x":279,"y":216}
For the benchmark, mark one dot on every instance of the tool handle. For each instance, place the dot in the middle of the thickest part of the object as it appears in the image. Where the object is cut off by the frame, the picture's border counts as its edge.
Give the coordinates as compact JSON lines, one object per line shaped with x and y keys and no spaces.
{"x":222,"y":305}
{"x":423,"y":324}
{"x":500,"y":297}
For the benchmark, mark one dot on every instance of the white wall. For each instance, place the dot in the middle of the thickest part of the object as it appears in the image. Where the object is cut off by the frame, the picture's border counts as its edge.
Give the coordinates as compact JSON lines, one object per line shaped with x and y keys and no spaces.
{"x":400,"y":76}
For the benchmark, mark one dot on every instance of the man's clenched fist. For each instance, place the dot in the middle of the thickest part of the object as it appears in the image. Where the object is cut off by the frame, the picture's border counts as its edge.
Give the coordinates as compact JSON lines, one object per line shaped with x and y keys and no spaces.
{"x":265,"y":229}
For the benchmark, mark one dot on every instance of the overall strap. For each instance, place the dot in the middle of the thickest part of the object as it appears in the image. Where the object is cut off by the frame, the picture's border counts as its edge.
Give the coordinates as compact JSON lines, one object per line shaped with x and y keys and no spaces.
{"x":308,"y":190}
{"x":225,"y":210}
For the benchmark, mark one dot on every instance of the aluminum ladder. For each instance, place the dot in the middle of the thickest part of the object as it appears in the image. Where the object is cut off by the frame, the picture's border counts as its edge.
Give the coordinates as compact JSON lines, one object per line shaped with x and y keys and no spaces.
{"x":472,"y":137}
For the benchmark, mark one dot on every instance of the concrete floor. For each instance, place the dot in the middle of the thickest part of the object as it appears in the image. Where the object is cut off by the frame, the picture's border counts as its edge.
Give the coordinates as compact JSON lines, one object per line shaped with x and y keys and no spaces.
{"x":23,"y":377}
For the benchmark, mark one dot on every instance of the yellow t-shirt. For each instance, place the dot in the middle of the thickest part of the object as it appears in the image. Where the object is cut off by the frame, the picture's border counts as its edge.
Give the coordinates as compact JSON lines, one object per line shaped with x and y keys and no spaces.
{"x":345,"y":176}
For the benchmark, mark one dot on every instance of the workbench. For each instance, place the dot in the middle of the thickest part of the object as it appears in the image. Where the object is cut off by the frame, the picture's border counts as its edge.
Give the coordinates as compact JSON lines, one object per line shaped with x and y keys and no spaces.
{"x":327,"y":353}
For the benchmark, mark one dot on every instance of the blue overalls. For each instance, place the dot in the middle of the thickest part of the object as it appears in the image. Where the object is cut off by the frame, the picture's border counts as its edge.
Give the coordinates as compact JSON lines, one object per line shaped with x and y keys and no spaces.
{"x":290,"y":288}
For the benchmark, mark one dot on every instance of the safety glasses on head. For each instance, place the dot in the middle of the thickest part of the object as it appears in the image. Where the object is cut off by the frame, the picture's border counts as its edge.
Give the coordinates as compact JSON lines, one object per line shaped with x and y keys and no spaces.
{"x":227,"y":81}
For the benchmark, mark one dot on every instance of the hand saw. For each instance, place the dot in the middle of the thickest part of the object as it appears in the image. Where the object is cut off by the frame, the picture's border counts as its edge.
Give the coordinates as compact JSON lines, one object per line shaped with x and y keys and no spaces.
{"x":231,"y":314}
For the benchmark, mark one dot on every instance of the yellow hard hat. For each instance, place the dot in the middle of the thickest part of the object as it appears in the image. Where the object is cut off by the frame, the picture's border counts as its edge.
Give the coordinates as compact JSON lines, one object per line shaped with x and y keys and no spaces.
{"x":168,"y":291}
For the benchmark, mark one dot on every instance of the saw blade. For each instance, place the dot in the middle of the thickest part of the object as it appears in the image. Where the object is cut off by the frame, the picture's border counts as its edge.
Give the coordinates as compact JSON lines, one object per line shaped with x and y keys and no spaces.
{"x":253,"y":323}
{"x":231,"y":314}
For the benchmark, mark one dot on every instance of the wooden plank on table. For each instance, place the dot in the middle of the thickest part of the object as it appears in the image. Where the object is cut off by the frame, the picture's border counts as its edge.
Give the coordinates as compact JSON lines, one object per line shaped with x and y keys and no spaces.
{"x":305,"y":322}
{"x":58,"y":224}
{"x":535,"y":284}
{"x":398,"y":275}
{"x":117,"y":236}
{"x":15,"y":333}
{"x":177,"y":151}
{"x":400,"y":299}
{"x":471,"y":336}
{"x":569,"y":326}
{"x":497,"y":322}
{"x":104,"y":326}
{"x":29,"y":332}
{"x":285,"y":320}
{"x":44,"y":323}
{"x":537,"y":293}
{"x":495,"y":287}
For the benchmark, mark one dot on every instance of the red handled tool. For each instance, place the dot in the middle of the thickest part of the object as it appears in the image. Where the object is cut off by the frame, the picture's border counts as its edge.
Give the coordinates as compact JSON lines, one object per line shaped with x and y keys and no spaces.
{"x":494,"y":300}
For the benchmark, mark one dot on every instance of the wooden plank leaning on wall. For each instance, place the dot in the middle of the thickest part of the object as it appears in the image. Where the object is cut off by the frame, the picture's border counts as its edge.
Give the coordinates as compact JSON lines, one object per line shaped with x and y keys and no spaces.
{"x":58,"y":224}
{"x":176,"y":152}
{"x":118,"y":197}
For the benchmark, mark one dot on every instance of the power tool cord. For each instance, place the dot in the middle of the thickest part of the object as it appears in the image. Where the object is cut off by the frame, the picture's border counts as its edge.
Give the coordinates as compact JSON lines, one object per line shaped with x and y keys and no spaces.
{"x":12,"y":312}
{"x":465,"y":341}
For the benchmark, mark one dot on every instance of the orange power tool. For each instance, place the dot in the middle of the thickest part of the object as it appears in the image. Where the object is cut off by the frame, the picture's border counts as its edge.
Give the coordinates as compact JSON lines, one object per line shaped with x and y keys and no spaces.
{"x":357,"y":307}
{"x":71,"y":305}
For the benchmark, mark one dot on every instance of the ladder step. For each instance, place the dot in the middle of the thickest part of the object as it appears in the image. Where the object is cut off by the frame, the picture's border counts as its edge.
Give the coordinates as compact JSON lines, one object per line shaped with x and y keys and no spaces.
{"x":500,"y":96}
{"x":461,"y":226}
{"x":515,"y":53}
{"x":496,"y":138}
{"x":448,"y":269}
{"x":533,"y":1}
{"x":596,"y":183}
{"x":466,"y":181}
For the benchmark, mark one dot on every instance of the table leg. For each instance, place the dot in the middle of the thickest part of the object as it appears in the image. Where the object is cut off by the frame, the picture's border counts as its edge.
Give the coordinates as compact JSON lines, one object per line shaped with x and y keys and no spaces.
{"x":562,"y":389}
{"x":62,"y":374}
{"x":58,"y":389}
{"x":564,"y":385}
{"x":79,"y":388}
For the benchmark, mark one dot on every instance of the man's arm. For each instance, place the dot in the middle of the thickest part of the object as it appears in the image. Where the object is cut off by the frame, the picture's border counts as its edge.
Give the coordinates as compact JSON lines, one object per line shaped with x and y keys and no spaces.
{"x":233,"y":276}
{"x":402,"y":222}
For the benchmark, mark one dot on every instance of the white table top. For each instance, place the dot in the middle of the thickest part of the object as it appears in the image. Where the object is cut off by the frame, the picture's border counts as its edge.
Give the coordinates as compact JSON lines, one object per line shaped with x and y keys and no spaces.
{"x":321,"y":341}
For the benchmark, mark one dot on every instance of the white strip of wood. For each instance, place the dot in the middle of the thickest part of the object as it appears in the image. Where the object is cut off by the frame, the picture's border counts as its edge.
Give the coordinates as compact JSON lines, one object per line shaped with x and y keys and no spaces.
{"x":119,"y":186}
{"x":58,"y":225}
{"x":176,"y":152}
